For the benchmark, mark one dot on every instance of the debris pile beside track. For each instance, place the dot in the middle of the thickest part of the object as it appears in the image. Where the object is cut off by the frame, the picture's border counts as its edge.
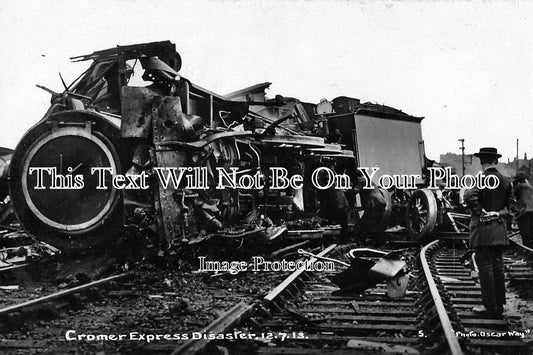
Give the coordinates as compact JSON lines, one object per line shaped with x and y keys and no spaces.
{"x":18,"y":247}
{"x":150,"y":300}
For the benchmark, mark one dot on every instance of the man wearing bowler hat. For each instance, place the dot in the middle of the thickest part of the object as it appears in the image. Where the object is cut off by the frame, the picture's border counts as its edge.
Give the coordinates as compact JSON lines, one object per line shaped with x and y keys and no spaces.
{"x":491,"y":210}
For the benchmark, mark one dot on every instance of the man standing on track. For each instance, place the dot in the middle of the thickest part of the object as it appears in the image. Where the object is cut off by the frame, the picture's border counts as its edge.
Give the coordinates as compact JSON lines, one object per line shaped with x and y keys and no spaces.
{"x":523,"y":192}
{"x":491,"y":210}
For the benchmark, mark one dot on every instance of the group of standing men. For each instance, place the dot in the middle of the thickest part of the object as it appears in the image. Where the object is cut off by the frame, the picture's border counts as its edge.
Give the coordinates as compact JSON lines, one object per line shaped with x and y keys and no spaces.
{"x":492,"y":210}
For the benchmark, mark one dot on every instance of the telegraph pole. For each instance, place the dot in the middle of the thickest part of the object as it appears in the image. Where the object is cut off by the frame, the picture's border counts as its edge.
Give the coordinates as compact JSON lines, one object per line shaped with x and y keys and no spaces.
{"x":517,"y":158}
{"x":462,"y":154}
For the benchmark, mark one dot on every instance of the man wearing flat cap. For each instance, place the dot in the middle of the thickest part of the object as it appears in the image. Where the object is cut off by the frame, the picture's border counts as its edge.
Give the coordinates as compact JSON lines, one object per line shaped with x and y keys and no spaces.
{"x":491,"y":210}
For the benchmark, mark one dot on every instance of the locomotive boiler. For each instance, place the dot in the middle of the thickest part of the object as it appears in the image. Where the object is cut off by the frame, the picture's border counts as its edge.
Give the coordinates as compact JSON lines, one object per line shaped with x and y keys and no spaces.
{"x":131,"y":114}
{"x":133,"y":143}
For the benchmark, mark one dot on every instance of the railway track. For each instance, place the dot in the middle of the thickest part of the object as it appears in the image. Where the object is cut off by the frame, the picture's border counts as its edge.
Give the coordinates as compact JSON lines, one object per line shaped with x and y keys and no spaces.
{"x":139,"y":307}
{"x":303,"y":315}
{"x":459,"y":289}
{"x":41,"y":310}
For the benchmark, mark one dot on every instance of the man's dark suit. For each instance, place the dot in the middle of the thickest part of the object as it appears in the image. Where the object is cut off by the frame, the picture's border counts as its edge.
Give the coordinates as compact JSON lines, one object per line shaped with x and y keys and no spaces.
{"x":489,"y":239}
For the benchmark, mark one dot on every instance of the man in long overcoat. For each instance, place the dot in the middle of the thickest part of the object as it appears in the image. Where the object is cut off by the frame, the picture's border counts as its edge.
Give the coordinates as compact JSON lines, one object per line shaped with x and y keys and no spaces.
{"x":491,"y":211}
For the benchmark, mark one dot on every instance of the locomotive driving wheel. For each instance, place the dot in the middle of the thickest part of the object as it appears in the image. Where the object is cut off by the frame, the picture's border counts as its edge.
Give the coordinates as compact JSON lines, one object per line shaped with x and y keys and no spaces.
{"x":421,"y":217}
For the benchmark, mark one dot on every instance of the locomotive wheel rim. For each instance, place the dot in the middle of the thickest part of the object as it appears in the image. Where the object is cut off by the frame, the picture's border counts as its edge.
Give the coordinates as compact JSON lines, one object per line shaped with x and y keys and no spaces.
{"x":62,"y":132}
{"x":421,"y":213}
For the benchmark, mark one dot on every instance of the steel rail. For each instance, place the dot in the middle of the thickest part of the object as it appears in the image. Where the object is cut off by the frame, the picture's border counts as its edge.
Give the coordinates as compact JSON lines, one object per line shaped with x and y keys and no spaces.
{"x":453,"y":343}
{"x":239,"y":312}
{"x":289,"y":280}
{"x":520,"y":246}
{"x":32,"y":303}
{"x":220,"y":325}
{"x":13,"y":267}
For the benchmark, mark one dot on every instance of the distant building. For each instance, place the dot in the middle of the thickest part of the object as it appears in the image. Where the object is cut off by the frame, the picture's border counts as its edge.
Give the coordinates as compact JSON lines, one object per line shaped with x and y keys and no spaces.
{"x":472,"y":165}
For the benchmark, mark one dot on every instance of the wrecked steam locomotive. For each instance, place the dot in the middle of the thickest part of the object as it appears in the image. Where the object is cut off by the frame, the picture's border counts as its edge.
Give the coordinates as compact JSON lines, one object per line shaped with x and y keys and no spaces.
{"x":102,"y":122}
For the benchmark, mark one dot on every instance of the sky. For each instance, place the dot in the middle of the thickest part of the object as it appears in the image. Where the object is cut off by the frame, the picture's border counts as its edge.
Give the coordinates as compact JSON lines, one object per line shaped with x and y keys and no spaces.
{"x":466,"y":66}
